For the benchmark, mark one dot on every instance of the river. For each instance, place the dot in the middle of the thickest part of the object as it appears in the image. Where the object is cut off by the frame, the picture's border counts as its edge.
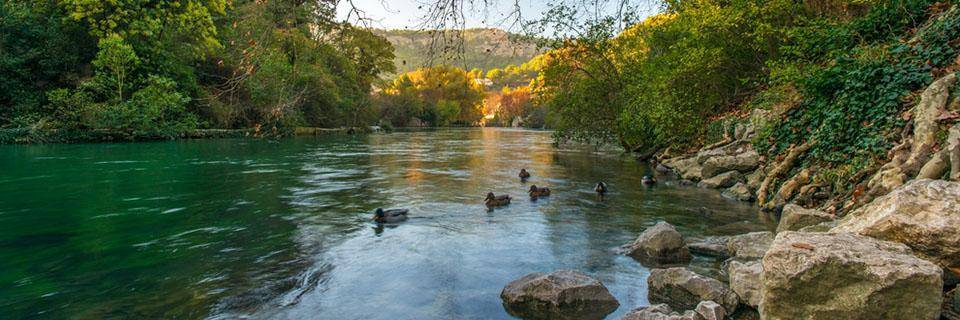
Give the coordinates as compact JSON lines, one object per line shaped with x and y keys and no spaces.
{"x":224,"y":229}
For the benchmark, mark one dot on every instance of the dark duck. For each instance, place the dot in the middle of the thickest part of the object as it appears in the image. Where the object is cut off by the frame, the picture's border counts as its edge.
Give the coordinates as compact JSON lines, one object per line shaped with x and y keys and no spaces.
{"x":601,"y":188}
{"x":648,"y":180}
{"x":524,"y":175}
{"x":496,"y":201}
{"x":537,"y":192}
{"x":390,"y":216}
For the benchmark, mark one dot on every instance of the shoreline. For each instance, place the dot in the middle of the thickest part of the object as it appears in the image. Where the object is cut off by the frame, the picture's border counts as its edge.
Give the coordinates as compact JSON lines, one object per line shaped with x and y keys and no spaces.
{"x":27,"y":136}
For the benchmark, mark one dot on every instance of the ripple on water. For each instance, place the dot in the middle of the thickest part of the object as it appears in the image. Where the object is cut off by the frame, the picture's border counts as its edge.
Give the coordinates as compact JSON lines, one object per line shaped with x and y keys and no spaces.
{"x":219,"y":229}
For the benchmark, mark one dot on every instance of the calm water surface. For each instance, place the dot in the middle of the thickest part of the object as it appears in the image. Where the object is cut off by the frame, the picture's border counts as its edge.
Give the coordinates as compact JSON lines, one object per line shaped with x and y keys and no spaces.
{"x":225,"y":229}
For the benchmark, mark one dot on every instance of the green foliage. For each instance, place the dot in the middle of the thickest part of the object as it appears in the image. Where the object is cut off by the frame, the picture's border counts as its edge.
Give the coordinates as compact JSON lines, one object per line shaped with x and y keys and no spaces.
{"x":657,"y":83}
{"x":134,"y":69}
{"x":114,"y":62}
{"x":852,"y":107}
{"x":157,"y":111}
{"x":38,"y":52}
{"x":821,"y":37}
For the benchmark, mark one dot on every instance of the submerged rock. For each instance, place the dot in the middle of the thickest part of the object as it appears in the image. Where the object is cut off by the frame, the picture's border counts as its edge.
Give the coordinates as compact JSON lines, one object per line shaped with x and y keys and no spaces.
{"x":751,"y":245}
{"x":846,"y":276}
{"x":924,"y":215}
{"x":660,"y":244}
{"x":563,"y":294}
{"x":684,"y":289}
{"x":745,"y":280}
{"x":795,"y":217}
{"x":724,"y":180}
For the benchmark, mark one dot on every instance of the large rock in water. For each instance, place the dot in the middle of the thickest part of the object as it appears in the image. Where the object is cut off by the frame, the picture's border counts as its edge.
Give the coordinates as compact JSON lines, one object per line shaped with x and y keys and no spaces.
{"x":746,"y":280}
{"x":744,"y":162}
{"x":660,"y":245}
{"x":847,"y":276}
{"x":563,"y":294}
{"x":923,"y":214}
{"x":751,"y":245}
{"x":795,"y":217}
{"x":684,"y":289}
{"x":723,"y":180}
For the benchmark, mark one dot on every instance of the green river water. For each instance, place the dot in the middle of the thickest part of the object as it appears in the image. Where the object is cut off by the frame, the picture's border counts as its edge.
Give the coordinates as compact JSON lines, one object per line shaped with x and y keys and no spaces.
{"x":258,"y":229}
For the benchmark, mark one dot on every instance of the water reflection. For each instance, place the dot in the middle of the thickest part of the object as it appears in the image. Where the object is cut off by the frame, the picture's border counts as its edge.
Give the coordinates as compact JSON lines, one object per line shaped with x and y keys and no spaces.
{"x":237,"y":228}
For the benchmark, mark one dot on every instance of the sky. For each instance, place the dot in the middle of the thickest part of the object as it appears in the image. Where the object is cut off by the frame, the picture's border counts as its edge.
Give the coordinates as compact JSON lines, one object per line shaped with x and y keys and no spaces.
{"x":405,"y":14}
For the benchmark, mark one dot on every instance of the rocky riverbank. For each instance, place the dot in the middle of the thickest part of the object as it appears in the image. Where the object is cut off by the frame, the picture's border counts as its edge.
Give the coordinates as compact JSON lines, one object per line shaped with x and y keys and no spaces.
{"x":887,"y":248}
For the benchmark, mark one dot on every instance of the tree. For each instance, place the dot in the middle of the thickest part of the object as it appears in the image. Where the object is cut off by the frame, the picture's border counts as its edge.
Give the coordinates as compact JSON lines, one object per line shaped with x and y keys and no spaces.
{"x":115,"y":61}
{"x":438,"y":89}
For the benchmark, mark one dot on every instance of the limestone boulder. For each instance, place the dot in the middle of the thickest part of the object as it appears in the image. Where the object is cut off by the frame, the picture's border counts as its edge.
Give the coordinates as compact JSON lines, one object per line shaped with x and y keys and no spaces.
{"x":710,"y":310}
{"x":684,"y":289}
{"x":923,"y":214}
{"x":746,"y":280}
{"x":847,"y":276}
{"x":744,"y":163}
{"x":686,"y":168}
{"x":736,"y":148}
{"x":710,"y":246}
{"x":751,"y":245}
{"x":795,"y":217}
{"x":723,"y":180}
{"x":563,"y":294}
{"x":739,"y":191}
{"x":660,"y":245}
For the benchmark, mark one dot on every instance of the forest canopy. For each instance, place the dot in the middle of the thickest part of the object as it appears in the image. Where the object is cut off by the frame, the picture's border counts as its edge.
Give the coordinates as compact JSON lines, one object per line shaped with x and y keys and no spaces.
{"x":160,"y":69}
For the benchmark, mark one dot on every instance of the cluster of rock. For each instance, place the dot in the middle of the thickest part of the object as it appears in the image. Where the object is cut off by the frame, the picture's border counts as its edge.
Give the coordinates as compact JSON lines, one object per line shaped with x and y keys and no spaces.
{"x":929,"y":149}
{"x":891,"y":259}
{"x":893,"y":256}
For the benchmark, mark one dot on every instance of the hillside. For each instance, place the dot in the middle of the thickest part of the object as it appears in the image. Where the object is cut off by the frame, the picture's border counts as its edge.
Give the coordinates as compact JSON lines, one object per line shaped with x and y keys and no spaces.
{"x":482,"y":48}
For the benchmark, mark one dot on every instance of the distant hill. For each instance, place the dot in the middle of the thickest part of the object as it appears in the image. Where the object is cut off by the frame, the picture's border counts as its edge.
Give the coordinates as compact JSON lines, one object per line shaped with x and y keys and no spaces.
{"x":482,"y":48}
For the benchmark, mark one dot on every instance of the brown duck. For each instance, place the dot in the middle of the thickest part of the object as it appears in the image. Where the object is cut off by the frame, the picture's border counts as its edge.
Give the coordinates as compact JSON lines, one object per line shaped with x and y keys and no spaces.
{"x":537,"y":192}
{"x":496,"y":201}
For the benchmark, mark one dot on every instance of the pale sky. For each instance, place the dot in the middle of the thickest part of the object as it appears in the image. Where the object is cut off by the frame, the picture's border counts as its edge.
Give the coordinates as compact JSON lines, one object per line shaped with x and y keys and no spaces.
{"x":406,"y":14}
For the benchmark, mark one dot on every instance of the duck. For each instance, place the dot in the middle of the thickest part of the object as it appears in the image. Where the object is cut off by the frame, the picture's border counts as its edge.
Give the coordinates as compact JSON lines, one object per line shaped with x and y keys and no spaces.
{"x":648,"y":180}
{"x":496,"y":201}
{"x":601,"y":188}
{"x":390,"y":216}
{"x":524,"y":175}
{"x":536,"y":192}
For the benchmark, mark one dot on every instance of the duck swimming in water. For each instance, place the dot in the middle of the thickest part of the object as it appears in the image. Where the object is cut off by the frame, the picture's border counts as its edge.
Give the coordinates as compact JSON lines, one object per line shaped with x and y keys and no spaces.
{"x":536,"y":192}
{"x":390,"y":216}
{"x":601,"y":188}
{"x":648,"y":180}
{"x":496,"y":201}
{"x":524,"y":175}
